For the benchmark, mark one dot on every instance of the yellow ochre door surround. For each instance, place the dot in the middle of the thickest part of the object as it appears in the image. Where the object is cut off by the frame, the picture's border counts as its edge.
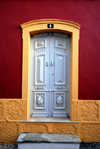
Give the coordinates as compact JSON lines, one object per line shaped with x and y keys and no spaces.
{"x":59,"y":26}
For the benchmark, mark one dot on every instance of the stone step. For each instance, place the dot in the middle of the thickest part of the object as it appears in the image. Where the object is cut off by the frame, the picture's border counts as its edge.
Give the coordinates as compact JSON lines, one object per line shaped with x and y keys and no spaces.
{"x":48,"y":141}
{"x":49,"y":120}
{"x":49,"y":125}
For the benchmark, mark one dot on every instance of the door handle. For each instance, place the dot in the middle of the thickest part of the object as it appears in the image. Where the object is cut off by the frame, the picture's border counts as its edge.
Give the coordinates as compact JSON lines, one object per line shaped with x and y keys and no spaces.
{"x":47,"y":63}
{"x":52,"y":63}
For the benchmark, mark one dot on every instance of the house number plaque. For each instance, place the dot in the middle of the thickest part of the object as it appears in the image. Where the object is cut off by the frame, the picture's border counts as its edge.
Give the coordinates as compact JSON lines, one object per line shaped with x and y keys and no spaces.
{"x":50,"y":25}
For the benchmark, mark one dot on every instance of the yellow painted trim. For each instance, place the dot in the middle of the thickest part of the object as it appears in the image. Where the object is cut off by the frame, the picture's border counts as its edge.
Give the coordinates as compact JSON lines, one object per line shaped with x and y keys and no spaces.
{"x":48,"y":21}
{"x":39,"y":26}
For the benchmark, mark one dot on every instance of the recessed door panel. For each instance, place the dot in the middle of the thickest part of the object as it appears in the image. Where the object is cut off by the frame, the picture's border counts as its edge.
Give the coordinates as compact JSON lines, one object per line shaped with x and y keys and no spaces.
{"x":59,"y":100}
{"x":40,"y":100}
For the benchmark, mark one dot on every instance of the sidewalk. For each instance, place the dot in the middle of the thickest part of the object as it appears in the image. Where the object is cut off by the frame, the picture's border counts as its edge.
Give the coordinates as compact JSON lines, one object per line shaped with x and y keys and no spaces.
{"x":92,"y":145}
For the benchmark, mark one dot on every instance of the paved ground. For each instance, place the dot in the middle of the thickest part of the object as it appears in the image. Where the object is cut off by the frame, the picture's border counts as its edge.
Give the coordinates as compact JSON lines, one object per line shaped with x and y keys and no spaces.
{"x":90,"y":145}
{"x":14,"y":146}
{"x":82,"y":146}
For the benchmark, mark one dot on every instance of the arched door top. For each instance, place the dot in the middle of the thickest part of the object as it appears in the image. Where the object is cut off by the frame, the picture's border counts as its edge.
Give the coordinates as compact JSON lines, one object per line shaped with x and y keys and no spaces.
{"x":50,"y":21}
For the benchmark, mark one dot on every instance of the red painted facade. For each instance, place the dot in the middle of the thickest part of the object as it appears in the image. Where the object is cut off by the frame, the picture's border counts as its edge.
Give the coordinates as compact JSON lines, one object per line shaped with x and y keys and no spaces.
{"x":14,"y":13}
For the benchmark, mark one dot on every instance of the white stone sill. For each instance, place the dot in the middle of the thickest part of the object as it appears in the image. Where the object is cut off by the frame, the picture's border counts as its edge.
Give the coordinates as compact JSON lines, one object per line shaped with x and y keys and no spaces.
{"x":48,"y":120}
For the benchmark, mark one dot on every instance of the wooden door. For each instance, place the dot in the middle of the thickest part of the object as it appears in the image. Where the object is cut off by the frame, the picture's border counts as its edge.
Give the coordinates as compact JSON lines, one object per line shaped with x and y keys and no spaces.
{"x":50,"y":75}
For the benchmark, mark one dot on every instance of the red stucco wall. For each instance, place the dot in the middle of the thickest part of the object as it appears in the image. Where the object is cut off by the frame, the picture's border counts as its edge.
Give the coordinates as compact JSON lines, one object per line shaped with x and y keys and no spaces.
{"x":14,"y":13}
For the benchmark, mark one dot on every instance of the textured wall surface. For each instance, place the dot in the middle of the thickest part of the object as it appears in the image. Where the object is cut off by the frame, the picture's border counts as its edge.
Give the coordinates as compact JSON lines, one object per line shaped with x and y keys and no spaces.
{"x":8,"y":132}
{"x":13,"y":110}
{"x":49,"y":127}
{"x":89,"y":111}
{"x":90,"y":132}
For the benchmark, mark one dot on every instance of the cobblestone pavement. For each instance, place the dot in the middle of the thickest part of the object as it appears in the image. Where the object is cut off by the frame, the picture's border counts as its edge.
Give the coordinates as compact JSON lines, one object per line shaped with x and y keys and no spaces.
{"x":13,"y":146}
{"x":90,"y":145}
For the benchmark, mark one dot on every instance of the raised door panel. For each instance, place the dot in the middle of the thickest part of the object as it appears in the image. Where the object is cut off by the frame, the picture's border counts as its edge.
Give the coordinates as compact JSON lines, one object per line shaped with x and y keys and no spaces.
{"x":40,"y":106}
{"x":40,"y":100}
{"x":59,"y":100}
{"x":60,"y":69}
{"x":59,"y":104}
{"x":60,"y":43}
{"x":60,"y":61}
{"x":41,"y":43}
{"x":40,"y":69}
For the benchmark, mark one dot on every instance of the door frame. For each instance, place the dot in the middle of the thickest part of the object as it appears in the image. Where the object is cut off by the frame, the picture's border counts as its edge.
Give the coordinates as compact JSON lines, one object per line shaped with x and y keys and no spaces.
{"x":59,"y":26}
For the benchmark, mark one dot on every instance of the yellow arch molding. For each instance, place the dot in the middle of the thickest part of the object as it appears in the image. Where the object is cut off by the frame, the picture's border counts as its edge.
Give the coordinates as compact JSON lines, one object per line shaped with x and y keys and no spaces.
{"x":39,"y":26}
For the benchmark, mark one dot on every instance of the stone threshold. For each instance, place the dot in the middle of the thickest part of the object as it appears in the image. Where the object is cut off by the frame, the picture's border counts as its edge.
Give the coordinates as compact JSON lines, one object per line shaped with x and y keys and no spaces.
{"x":48,"y":120}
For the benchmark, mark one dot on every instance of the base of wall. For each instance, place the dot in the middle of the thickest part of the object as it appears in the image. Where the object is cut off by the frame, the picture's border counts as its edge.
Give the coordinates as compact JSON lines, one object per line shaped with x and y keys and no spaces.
{"x":50,"y":127}
{"x":85,"y":111}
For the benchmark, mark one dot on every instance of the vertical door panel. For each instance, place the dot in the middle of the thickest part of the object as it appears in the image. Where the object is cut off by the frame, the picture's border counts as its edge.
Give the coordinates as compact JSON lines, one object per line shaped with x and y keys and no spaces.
{"x":40,"y":69}
{"x":60,"y":69}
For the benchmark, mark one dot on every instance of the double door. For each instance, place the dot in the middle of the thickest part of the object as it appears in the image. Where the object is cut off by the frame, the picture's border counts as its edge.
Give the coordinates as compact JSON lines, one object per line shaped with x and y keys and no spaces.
{"x":50,"y":75}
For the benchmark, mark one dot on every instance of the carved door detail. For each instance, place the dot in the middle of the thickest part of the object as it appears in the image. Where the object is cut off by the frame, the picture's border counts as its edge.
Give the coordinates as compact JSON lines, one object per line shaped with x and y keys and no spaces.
{"x":50,"y":75}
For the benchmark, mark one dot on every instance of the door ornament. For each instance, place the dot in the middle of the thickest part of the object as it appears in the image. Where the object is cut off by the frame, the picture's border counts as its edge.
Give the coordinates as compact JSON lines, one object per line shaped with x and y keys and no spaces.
{"x":59,"y":100}
{"x":60,"y":44}
{"x":39,"y":87}
{"x":40,"y":44}
{"x":59,"y":87}
{"x":40,"y":100}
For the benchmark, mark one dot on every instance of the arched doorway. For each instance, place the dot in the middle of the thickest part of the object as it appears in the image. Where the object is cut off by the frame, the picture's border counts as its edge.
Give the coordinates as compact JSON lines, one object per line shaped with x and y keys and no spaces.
{"x":60,"y":26}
